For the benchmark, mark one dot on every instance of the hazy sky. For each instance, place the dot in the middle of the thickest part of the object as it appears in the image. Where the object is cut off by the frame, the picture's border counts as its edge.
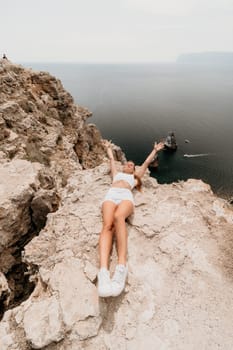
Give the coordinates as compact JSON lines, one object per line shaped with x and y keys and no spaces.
{"x":113,"y":30}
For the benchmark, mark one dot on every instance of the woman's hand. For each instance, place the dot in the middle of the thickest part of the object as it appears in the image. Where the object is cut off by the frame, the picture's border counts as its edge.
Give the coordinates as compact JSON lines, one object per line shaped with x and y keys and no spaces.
{"x":107,"y":143}
{"x":158,"y":146}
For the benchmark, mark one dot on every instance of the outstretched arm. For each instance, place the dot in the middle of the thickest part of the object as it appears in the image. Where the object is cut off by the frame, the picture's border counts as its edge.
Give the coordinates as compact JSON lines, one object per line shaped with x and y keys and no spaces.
{"x":108,"y":146}
{"x":157,"y":147}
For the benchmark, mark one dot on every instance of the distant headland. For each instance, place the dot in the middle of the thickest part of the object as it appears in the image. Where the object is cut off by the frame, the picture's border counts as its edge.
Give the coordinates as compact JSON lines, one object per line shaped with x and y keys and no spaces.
{"x":206,"y":57}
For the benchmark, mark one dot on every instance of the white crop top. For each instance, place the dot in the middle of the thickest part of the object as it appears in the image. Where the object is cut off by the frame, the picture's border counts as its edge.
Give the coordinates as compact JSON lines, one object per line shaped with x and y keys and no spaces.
{"x":126,"y":177}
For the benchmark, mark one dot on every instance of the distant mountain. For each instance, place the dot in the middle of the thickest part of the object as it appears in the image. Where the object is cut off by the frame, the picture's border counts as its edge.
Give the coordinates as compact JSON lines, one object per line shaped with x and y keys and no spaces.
{"x":207,"y":57}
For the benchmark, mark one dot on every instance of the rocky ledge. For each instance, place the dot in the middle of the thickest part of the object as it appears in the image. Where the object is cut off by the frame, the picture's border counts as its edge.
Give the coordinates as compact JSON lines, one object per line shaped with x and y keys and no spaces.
{"x":179,"y":293}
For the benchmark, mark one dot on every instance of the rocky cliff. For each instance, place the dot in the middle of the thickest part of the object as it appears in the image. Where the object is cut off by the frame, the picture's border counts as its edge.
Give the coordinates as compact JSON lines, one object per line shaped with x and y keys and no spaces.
{"x":179,"y":292}
{"x":43,"y":138}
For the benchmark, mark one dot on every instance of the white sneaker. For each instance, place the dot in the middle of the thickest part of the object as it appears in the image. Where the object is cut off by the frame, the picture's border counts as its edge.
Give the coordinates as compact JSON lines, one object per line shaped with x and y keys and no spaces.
{"x":104,"y":283}
{"x":118,"y":280}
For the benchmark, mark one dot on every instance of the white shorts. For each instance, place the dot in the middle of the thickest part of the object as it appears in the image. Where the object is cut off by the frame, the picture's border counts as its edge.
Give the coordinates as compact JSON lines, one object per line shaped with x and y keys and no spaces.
{"x":117,"y":195}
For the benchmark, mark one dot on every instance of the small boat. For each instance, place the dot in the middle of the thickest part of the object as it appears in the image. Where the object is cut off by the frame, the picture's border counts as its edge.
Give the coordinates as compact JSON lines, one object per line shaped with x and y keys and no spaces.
{"x":196,"y":155}
{"x":186,"y":141}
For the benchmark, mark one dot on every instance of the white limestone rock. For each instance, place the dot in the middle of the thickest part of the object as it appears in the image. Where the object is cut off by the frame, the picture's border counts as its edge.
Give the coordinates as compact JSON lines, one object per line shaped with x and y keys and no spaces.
{"x":179,"y":293}
{"x":77,"y":296}
{"x":42,"y":323}
{"x":6,"y":338}
{"x":19,"y":181}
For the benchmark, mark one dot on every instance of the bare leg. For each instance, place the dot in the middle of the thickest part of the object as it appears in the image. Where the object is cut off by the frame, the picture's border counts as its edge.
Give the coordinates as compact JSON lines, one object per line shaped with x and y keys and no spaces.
{"x":106,"y":235}
{"x":124,"y":209}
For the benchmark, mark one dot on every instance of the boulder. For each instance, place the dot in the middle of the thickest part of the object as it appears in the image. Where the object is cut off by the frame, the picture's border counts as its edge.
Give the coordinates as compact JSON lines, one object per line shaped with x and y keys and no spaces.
{"x":19,"y":182}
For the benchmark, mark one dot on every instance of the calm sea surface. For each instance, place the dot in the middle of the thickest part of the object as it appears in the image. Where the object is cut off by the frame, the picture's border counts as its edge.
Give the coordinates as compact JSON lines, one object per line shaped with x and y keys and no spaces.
{"x":134,"y":105}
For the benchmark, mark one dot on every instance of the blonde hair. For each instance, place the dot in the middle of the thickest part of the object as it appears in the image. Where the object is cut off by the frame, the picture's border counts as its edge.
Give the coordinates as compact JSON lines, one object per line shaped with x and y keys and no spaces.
{"x":139,"y":182}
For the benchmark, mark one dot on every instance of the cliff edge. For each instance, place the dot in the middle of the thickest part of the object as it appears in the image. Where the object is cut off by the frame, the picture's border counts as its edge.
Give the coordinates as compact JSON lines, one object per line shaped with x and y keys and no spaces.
{"x":179,"y":293}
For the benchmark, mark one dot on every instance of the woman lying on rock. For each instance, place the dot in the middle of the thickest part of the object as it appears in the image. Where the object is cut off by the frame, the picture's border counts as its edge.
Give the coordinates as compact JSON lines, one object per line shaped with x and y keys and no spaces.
{"x":117,"y":206}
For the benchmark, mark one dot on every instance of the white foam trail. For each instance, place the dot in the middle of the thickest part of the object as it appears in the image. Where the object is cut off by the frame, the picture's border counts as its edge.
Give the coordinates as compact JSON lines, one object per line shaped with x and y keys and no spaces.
{"x":196,"y":155}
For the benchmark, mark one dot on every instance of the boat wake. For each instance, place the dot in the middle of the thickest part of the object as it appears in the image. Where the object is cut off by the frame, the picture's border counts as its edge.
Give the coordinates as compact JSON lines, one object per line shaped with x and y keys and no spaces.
{"x":196,"y":155}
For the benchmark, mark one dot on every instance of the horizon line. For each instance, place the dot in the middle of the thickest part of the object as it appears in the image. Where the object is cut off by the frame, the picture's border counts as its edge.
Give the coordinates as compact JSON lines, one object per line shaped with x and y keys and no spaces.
{"x":98,"y":62}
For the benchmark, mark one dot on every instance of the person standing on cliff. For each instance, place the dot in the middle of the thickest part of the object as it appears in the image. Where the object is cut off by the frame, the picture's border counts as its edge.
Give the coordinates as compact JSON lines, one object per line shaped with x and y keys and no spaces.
{"x":117,"y":206}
